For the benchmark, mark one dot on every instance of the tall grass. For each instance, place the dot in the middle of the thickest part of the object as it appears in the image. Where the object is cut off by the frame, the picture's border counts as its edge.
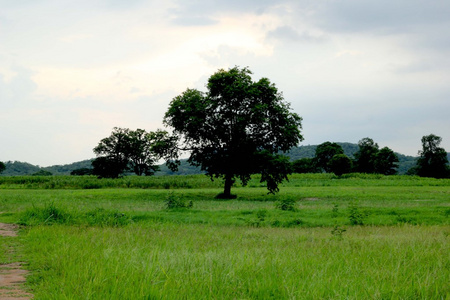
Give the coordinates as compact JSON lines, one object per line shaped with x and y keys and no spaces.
{"x":321,"y":237}
{"x":204,"y":262}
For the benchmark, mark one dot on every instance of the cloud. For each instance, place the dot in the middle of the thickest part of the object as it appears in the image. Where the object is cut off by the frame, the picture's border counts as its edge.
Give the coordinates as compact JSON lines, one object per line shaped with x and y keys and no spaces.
{"x":380,"y":17}
{"x":287,"y":33}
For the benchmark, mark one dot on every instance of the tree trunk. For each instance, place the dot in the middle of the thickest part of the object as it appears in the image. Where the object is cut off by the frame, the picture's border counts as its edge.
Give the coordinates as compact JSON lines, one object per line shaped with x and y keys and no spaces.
{"x":228,"y":184}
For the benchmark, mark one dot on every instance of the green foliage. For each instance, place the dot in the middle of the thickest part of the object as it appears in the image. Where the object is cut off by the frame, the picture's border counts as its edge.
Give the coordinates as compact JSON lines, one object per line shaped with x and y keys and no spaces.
{"x":338,"y":231}
{"x":261,"y":217}
{"x":365,"y":156}
{"x":356,"y":214}
{"x":130,"y":150}
{"x":236,"y":128}
{"x":386,"y":162}
{"x":324,"y":153}
{"x":304,"y":165}
{"x":286,"y":204}
{"x":2,"y":167}
{"x":82,"y":171}
{"x":174,"y":202}
{"x":42,"y":173}
{"x":369,"y":159}
{"x":433,"y":161}
{"x":340,"y":164}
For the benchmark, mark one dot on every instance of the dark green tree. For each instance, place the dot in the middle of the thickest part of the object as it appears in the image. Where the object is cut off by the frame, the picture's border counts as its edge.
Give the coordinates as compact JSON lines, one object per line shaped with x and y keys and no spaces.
{"x":366,"y":155}
{"x":81,"y":172}
{"x":324,"y":153}
{"x":386,"y":162}
{"x":304,"y":165}
{"x":2,"y":167}
{"x":433,"y":159}
{"x":340,"y":164}
{"x":235,"y":129}
{"x":127,"y":150}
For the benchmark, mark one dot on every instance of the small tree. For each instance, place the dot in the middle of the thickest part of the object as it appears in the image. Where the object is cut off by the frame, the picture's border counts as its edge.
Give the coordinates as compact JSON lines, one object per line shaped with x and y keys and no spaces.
{"x":2,"y":167}
{"x":340,"y":164}
{"x":324,"y":153}
{"x":236,"y":129}
{"x":433,"y":159}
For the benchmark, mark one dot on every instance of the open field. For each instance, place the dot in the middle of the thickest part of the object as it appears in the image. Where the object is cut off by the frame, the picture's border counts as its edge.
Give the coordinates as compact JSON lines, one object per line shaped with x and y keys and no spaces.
{"x":357,"y":237}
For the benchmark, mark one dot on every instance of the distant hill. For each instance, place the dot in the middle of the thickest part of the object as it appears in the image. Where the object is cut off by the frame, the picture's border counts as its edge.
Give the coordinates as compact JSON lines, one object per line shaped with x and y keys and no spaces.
{"x":22,"y":168}
{"x":16,"y":168}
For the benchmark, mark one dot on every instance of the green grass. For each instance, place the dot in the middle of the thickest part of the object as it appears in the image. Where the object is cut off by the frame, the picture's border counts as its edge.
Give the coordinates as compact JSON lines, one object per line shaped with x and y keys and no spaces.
{"x":120,"y":241}
{"x":173,"y":261}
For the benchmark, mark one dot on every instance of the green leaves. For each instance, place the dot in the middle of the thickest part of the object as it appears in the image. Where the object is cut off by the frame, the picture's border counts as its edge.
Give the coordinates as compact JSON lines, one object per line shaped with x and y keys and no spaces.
{"x":127,"y":150}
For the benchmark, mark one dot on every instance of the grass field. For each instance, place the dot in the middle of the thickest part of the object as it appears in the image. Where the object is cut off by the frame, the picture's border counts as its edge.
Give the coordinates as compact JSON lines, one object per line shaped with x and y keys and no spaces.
{"x":356,"y":237}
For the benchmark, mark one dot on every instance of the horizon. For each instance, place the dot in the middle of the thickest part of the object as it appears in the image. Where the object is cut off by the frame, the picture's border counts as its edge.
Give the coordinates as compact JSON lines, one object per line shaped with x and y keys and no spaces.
{"x":184,"y":158}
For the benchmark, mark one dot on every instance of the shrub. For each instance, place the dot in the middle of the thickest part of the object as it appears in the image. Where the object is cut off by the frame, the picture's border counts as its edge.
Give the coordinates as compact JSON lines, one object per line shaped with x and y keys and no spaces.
{"x":173,"y":202}
{"x":286,"y":204}
{"x":356,"y":214}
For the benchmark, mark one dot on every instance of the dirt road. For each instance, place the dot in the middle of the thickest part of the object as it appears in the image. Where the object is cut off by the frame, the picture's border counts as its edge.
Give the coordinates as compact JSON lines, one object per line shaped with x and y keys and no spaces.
{"x":12,"y":276}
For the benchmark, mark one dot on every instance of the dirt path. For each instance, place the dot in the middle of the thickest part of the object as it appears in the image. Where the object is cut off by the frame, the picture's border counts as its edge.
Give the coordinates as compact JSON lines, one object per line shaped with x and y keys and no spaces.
{"x":12,"y":276}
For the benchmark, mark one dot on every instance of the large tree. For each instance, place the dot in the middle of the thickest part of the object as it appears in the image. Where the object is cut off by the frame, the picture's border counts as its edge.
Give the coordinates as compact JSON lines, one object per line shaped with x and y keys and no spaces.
{"x":2,"y":167}
{"x":324,"y":153}
{"x":237,"y":128}
{"x":433,"y":159}
{"x":129,"y":150}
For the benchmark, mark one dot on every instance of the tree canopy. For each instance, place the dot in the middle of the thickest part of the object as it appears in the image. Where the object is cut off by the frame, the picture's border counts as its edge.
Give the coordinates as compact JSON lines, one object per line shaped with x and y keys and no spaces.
{"x":433,"y":159}
{"x":237,"y":128}
{"x":129,"y":150}
{"x":370,"y":159}
{"x":2,"y":167}
{"x":386,"y":162}
{"x":365,"y":156}
{"x":340,"y":164}
{"x":324,"y":154}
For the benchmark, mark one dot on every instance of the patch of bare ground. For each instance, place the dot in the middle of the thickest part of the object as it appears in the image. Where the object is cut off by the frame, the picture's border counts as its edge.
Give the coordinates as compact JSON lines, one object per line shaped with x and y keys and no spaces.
{"x":311,"y":199}
{"x":12,"y":276}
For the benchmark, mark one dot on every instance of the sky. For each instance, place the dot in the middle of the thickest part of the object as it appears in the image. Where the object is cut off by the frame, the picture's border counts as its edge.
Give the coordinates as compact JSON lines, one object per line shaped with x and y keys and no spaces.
{"x":70,"y":71}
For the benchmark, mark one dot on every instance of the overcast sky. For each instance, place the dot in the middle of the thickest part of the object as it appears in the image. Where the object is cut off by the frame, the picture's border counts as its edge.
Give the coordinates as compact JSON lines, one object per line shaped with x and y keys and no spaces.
{"x":70,"y":71}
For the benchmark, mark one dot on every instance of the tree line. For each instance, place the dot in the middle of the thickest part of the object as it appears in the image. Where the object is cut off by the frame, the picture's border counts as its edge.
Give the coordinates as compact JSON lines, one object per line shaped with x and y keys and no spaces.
{"x":330,"y":158}
{"x":240,"y":127}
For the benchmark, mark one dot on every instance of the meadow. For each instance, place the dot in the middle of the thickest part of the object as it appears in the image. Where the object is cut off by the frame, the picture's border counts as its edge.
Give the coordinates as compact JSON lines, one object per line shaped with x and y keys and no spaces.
{"x":322,"y":237}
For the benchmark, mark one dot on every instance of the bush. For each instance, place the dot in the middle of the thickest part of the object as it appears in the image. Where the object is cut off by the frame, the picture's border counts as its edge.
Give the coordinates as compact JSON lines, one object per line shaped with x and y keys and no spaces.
{"x":173,"y":202}
{"x":286,"y":204}
{"x":356,"y":214}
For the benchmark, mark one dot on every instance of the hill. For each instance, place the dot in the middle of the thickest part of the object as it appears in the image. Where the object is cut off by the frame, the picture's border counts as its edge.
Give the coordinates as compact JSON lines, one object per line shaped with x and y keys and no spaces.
{"x":17,"y":168}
